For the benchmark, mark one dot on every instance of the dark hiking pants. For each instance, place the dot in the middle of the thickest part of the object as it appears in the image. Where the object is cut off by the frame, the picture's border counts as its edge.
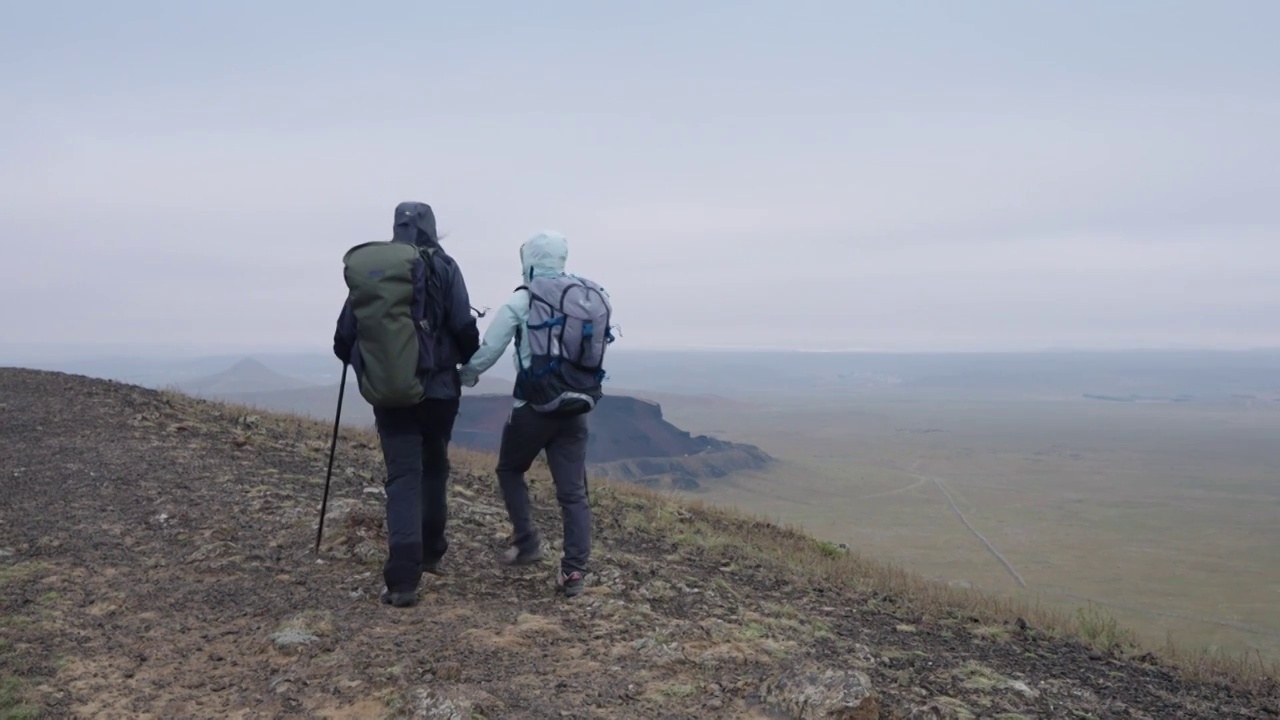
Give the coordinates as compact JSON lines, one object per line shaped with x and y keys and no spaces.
{"x":526,"y":434}
{"x":415,"y":446}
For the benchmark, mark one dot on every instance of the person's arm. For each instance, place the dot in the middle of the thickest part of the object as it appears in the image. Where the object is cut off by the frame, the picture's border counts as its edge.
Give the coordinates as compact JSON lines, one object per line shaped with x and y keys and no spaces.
{"x":462,"y":325}
{"x":344,"y":337}
{"x":496,"y":338}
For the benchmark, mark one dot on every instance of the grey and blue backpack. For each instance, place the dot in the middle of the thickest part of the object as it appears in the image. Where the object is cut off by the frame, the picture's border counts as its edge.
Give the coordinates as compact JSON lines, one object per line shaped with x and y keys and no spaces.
{"x":569,"y":331}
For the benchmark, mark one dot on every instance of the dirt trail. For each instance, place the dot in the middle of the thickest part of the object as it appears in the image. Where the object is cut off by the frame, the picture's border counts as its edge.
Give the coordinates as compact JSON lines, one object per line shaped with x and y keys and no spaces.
{"x":1008,"y":566}
{"x":155,"y":562}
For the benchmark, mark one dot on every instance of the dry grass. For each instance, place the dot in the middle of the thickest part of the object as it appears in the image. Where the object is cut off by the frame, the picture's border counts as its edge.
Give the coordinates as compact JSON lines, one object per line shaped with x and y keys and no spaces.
{"x":733,"y":536}
{"x":11,"y":705}
{"x":12,"y":690}
{"x":791,"y":551}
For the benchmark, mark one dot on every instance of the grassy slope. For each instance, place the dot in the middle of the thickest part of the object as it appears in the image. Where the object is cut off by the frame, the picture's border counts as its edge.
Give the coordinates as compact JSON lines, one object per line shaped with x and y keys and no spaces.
{"x":155,"y":547}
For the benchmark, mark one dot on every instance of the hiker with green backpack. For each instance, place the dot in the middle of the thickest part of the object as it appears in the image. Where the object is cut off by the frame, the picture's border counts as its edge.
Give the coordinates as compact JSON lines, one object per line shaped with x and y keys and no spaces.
{"x":404,"y":330}
{"x":560,"y":324}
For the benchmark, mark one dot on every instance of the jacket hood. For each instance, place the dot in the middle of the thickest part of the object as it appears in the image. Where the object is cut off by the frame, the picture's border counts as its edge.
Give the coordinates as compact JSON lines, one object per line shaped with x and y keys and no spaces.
{"x":544,"y":255}
{"x":415,"y":223}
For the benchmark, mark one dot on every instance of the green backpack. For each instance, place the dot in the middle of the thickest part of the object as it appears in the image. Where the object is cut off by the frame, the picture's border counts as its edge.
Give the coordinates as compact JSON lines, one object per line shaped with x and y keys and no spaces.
{"x":395,"y":342}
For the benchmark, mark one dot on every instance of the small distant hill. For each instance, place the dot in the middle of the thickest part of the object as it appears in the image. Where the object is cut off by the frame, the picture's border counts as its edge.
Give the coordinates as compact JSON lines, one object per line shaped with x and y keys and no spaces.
{"x":246,"y":376}
{"x":156,"y":561}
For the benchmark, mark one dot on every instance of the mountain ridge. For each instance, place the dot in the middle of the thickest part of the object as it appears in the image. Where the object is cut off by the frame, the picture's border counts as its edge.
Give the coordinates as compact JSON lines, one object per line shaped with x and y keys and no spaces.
{"x":155,"y":558}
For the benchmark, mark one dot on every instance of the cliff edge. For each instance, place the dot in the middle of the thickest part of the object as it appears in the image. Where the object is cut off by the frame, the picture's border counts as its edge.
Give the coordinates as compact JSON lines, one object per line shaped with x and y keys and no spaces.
{"x":156,"y":561}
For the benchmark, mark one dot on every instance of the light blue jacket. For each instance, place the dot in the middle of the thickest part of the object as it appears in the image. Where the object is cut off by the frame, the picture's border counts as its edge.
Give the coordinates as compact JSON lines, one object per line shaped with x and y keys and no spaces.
{"x":543,"y":255}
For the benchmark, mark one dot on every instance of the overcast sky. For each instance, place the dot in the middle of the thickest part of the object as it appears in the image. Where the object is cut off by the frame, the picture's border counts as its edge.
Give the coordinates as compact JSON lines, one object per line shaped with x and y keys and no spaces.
{"x":925,"y":175}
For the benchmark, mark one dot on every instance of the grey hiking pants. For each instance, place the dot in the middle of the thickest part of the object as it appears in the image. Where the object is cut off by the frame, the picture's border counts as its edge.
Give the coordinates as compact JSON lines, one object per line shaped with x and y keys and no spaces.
{"x":527,"y":433}
{"x":415,"y":446}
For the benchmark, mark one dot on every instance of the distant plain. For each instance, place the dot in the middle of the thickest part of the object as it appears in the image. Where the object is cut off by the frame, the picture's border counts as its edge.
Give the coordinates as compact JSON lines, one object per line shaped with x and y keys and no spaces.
{"x":1165,"y":513}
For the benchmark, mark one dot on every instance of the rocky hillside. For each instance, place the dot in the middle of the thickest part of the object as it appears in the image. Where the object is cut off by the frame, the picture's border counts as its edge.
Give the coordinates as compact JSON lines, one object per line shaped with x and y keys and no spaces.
{"x":630,"y":440}
{"x":156,"y":561}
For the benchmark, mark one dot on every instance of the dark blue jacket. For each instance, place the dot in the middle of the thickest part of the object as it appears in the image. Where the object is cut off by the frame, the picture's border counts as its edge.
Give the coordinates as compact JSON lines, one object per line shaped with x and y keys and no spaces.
{"x":459,"y":338}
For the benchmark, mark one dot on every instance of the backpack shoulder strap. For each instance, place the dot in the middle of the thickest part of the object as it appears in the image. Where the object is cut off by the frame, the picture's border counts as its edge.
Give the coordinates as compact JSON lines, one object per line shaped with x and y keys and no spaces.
{"x":433,"y":285}
{"x":535,"y":296}
{"x":429,"y":257}
{"x":532,"y":295}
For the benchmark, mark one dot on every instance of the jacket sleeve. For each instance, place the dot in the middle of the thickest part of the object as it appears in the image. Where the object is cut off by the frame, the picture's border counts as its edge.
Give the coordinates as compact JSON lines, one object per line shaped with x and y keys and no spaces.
{"x":496,"y":339}
{"x":344,"y":337}
{"x":461,"y":324}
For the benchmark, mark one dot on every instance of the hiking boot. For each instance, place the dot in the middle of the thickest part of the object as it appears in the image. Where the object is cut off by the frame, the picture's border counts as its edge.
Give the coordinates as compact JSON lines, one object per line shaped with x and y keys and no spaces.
{"x":515,"y":556}
{"x":405,"y":599}
{"x":433,"y":567}
{"x":572,"y":583}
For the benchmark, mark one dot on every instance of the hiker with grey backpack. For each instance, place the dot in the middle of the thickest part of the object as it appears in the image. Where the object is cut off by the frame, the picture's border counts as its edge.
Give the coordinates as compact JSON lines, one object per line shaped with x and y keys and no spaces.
{"x":561,"y":327}
{"x":405,"y":328}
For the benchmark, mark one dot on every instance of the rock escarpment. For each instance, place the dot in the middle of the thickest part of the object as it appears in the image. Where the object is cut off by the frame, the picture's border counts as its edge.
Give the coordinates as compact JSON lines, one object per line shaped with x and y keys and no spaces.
{"x":630,"y":440}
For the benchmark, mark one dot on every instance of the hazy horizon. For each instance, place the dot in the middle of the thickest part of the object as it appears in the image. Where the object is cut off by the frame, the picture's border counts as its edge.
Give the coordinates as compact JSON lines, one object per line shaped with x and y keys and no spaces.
{"x":56,"y":353}
{"x":786,"y":376}
{"x":818,"y":176}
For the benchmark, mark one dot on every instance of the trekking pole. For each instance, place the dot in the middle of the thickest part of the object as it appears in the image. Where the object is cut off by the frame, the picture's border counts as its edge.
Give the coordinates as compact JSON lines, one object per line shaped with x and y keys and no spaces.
{"x":333,"y":447}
